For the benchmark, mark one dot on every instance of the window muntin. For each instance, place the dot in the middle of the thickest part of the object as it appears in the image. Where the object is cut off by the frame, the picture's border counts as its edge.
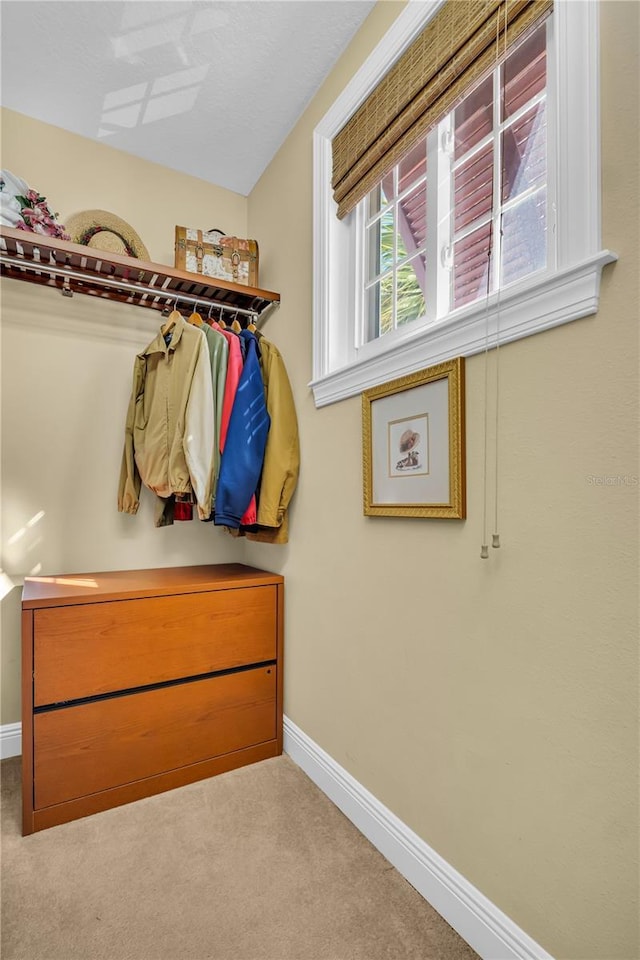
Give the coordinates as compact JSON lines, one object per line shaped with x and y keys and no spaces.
{"x":490,"y":160}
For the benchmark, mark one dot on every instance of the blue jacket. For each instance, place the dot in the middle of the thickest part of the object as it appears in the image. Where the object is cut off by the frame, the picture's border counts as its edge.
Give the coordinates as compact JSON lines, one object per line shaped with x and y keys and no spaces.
{"x":243,"y":453}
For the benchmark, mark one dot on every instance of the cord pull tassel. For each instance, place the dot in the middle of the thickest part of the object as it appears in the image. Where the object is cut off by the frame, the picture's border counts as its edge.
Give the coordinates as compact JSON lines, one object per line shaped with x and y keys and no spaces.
{"x":484,"y":551}
{"x":496,"y":540}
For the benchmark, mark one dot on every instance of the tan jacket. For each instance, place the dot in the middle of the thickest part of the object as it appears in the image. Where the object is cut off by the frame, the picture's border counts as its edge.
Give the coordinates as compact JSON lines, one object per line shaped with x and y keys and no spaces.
{"x":169,"y":432}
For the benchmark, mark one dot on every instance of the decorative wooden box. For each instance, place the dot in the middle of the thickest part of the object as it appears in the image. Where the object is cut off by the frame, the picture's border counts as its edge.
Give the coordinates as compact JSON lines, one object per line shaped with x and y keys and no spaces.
{"x":136,"y":682}
{"x":213,"y":254}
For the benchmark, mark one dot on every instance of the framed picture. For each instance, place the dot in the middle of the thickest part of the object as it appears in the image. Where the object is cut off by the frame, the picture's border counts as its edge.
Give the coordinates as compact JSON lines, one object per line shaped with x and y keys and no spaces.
{"x":413,"y":449}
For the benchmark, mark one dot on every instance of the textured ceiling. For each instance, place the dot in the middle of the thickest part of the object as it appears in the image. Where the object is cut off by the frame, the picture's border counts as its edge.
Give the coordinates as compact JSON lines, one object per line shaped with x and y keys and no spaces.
{"x":208,"y":88}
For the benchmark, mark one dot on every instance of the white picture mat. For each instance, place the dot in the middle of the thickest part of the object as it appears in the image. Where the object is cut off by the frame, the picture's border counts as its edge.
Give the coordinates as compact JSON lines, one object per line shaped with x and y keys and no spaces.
{"x":430,"y":401}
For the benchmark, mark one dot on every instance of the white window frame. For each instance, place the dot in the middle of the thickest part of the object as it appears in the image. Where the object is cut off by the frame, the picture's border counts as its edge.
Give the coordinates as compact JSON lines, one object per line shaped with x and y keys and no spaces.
{"x":342,"y":368}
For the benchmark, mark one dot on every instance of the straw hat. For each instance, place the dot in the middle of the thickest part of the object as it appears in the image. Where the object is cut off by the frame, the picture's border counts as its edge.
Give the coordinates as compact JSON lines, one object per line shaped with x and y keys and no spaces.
{"x":105,"y":231}
{"x":408,"y":440}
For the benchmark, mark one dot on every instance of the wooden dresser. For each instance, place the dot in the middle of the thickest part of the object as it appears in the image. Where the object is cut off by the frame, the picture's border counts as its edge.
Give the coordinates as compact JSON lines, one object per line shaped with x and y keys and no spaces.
{"x":139,"y":681}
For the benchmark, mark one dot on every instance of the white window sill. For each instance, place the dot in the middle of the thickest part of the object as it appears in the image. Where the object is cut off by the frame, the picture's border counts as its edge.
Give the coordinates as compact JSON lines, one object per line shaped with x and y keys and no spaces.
{"x":550,"y":301}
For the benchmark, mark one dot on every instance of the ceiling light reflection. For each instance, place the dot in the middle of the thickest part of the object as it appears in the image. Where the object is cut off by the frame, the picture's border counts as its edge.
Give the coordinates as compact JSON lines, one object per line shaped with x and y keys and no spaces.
{"x":135,"y":14}
{"x":124,"y":117}
{"x":166,"y":96}
{"x":118,"y":98}
{"x":169,"y":106}
{"x":179,"y":79}
{"x":130,"y":44}
{"x":210,"y":18}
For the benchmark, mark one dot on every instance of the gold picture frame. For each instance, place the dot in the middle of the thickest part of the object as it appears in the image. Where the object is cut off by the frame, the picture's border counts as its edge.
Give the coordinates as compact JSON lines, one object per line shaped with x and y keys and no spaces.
{"x":413,"y":445}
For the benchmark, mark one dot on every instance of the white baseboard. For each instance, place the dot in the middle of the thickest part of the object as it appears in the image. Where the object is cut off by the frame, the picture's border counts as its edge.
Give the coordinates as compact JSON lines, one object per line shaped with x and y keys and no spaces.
{"x":478,"y":921}
{"x":10,"y":740}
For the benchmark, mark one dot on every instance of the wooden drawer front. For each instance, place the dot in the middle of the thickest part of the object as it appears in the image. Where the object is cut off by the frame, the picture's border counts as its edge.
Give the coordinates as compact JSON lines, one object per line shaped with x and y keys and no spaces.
{"x":89,"y":747}
{"x":89,"y":649}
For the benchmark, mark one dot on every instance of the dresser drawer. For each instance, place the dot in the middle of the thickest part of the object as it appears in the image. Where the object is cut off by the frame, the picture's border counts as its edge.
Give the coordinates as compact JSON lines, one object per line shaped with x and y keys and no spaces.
{"x":89,"y":649}
{"x":85,"y":748}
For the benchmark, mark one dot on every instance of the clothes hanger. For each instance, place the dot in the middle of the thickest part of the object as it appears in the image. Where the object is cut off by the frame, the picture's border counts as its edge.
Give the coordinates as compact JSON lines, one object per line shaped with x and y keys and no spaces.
{"x":221,"y":322}
{"x":172,"y":319}
{"x":251,"y":326}
{"x":195,"y":318}
{"x":236,"y":326}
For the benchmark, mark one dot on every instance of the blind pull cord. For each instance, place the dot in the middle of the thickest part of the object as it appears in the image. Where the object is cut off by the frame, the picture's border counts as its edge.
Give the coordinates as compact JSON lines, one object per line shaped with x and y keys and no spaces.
{"x":495,"y":539}
{"x":495,"y":542}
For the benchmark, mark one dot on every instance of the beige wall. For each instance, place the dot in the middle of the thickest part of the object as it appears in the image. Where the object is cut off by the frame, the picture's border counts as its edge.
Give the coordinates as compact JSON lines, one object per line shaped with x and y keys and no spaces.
{"x":66,"y":378}
{"x":491,"y":705}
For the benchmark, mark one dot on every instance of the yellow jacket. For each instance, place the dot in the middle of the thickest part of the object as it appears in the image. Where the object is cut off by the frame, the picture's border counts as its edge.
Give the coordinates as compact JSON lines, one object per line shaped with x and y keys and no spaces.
{"x":169,"y":431}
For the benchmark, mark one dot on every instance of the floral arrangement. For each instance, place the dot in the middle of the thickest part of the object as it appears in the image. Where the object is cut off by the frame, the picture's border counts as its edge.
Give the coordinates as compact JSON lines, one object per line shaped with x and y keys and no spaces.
{"x":38,"y":218}
{"x":27,"y":209}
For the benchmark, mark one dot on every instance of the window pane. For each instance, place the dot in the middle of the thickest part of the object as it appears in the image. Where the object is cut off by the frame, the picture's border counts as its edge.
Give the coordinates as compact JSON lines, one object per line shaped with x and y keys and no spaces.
{"x":524,"y":73}
{"x":372,"y":308}
{"x":401,"y":250}
{"x":379,"y":307}
{"x":386,"y":305}
{"x":380,"y":195}
{"x":524,"y":153}
{"x":411,"y":281}
{"x":473,"y":188}
{"x":413,"y":166}
{"x":388,"y":185}
{"x":373,"y":251}
{"x":380,"y":245}
{"x":470,"y":266}
{"x":473,"y":119}
{"x":376,"y":201}
{"x":524,"y":244}
{"x":412,"y":220}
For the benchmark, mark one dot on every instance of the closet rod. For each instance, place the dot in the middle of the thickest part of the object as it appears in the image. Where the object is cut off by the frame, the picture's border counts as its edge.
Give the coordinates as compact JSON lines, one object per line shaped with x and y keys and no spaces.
{"x":166,"y":294}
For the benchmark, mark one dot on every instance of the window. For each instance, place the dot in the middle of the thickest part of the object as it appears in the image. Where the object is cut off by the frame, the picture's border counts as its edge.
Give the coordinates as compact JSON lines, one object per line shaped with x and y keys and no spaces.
{"x":486,"y":166}
{"x":406,"y":280}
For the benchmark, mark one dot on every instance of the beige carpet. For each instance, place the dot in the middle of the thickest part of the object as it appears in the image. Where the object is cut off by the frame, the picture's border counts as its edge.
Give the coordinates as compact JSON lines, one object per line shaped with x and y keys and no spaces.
{"x":256,"y":864}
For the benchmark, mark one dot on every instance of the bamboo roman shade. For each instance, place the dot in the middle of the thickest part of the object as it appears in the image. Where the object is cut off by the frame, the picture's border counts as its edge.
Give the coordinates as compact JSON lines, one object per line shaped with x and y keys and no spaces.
{"x":456,"y":48}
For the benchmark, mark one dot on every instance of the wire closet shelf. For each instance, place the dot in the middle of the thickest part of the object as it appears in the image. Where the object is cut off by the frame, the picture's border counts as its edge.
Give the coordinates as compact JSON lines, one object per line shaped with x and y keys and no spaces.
{"x":72,"y":268}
